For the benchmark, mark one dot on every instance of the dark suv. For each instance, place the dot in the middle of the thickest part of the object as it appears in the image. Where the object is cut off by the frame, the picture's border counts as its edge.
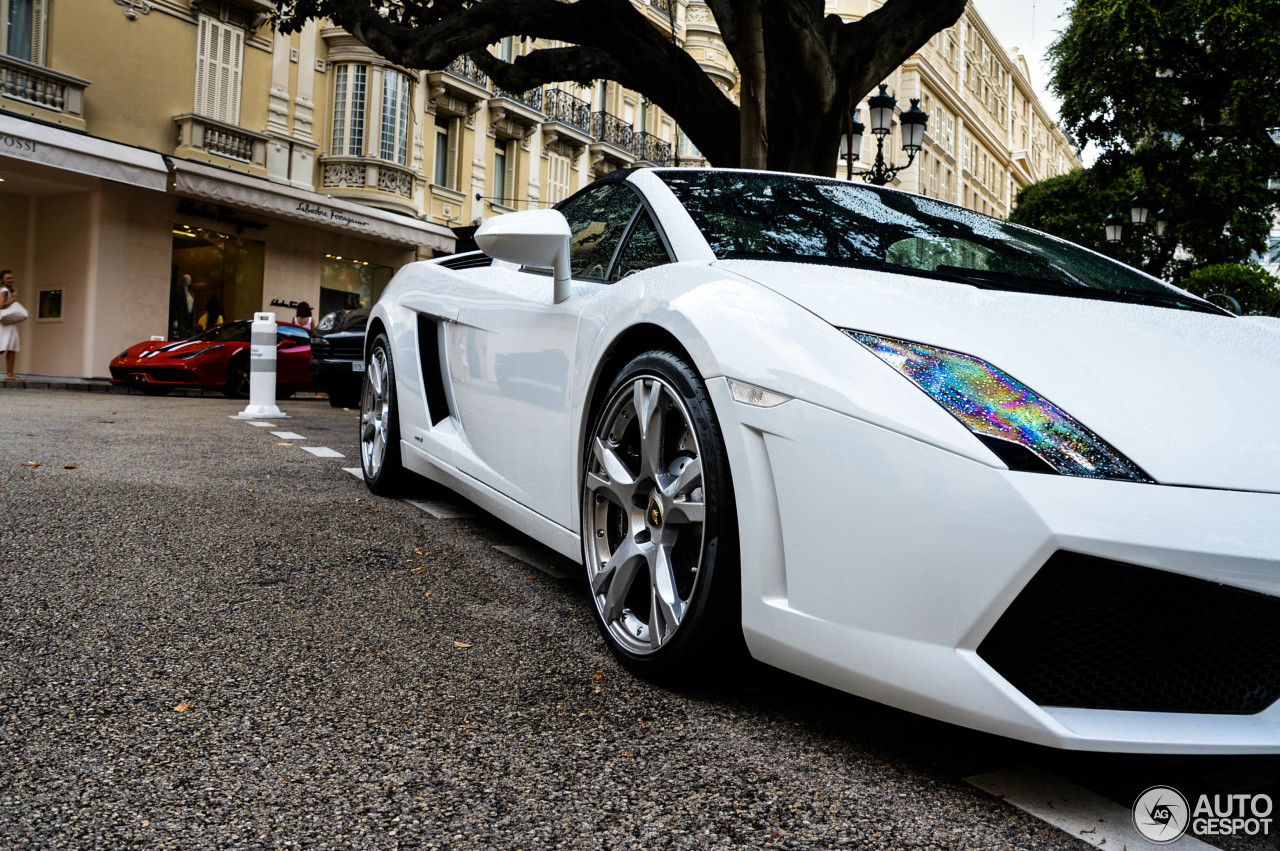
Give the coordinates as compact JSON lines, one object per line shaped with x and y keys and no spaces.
{"x":337,"y":356}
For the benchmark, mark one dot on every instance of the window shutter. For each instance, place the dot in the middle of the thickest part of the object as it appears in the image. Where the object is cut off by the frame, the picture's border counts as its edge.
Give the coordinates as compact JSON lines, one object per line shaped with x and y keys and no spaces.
{"x":39,"y":16}
{"x":454,"y":132}
{"x":202,"y":63}
{"x":219,"y":61}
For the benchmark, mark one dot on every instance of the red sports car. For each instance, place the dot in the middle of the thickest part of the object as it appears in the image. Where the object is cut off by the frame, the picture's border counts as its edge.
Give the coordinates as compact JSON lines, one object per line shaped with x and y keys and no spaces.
{"x":217,"y":359}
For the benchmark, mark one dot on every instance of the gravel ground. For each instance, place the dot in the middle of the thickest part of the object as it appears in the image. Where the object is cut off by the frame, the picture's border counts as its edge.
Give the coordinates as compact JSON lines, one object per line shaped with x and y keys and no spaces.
{"x":212,"y":639}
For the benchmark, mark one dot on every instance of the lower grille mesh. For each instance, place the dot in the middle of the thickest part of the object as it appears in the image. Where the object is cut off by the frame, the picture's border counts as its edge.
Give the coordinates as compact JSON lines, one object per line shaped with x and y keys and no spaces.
{"x":1092,"y":633}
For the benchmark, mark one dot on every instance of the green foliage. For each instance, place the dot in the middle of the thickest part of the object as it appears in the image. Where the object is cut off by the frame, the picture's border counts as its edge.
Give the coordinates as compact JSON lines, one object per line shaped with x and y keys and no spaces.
{"x":1181,"y":93}
{"x":1248,"y":283}
{"x":1072,"y":206}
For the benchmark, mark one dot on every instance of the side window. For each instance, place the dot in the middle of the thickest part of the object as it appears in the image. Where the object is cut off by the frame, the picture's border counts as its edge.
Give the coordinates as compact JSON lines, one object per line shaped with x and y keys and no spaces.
{"x":643,"y":250}
{"x":297,"y":336}
{"x":597,"y":220}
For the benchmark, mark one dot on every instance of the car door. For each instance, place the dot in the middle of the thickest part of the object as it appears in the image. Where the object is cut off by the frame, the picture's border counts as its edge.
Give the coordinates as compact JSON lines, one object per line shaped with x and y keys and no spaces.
{"x":293,"y":356}
{"x":510,"y":356}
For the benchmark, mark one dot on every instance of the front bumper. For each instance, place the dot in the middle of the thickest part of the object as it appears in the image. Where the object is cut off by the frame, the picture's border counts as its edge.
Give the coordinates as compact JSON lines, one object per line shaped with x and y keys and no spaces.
{"x":878,"y":564}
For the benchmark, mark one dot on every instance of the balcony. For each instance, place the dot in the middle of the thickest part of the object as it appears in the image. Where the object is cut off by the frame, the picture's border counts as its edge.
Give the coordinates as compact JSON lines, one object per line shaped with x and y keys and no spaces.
{"x":461,"y":86}
{"x":515,"y":115}
{"x":649,"y":148}
{"x":569,"y":124}
{"x":369,"y":181}
{"x":202,"y":138}
{"x":614,"y":145}
{"x":41,"y":92}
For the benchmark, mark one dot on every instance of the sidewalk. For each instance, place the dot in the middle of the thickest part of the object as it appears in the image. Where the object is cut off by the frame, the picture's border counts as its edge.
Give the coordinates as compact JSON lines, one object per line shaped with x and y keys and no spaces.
{"x":104,"y":385}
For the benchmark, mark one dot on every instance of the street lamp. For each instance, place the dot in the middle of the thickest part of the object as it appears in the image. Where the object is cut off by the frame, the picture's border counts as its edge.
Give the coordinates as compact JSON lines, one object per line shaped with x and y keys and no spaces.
{"x":882,"y":105}
{"x":1139,"y":210}
{"x":1114,"y":226}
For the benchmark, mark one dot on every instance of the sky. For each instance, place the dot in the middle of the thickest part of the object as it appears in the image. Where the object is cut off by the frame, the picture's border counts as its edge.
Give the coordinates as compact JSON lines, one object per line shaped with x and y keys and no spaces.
{"x":1031,"y":26}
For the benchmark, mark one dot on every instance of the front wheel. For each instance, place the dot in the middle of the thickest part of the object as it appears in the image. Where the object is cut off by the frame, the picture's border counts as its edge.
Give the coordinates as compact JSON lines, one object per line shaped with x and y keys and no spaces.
{"x":237,"y":384}
{"x":659,"y":528}
{"x":380,"y":422}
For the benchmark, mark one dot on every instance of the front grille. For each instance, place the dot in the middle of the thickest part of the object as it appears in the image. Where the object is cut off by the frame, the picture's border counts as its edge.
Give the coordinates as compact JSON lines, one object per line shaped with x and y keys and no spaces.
{"x":1092,"y":633}
{"x":338,"y":347}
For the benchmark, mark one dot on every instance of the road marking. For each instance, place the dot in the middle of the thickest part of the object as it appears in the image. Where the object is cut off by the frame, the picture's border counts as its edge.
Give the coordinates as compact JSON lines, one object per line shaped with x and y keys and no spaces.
{"x":255,"y":424}
{"x":1081,"y":813}
{"x":288,"y":435}
{"x":355,"y":471}
{"x":323,"y":452}
{"x":534,"y":555}
{"x":441,"y":510}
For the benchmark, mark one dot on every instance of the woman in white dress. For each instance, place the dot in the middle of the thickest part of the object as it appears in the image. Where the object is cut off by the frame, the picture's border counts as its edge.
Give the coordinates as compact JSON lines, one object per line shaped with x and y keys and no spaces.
{"x":8,"y":333}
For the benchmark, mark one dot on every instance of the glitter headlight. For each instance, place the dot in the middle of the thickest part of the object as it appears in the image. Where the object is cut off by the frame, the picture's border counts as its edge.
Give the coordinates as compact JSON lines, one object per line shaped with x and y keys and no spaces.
{"x":1025,"y":430}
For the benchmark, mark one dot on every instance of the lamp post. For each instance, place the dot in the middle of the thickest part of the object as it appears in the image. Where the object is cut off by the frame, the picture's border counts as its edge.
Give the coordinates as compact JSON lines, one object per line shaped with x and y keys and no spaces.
{"x":882,"y":105}
{"x":1140,"y":217}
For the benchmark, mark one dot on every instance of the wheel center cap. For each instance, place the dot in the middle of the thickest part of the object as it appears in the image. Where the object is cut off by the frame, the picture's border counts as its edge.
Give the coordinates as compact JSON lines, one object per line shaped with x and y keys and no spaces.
{"x":654,"y":513}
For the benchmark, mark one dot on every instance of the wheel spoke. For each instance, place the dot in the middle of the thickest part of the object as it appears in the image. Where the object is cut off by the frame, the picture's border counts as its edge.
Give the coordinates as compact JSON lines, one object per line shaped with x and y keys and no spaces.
{"x":690,"y":479}
{"x":375,"y":375}
{"x":649,"y":417}
{"x":685,"y":511}
{"x":618,"y":574}
{"x":617,"y":482}
{"x":666,"y":608}
{"x":368,"y":427}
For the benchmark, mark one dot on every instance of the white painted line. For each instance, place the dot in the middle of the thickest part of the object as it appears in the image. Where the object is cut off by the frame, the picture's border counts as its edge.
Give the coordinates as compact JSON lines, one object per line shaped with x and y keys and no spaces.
{"x":441,"y":510}
{"x":323,"y":452}
{"x":355,"y":471}
{"x":540,"y":558}
{"x":288,"y":435}
{"x":1081,"y":813}
{"x":257,"y":424}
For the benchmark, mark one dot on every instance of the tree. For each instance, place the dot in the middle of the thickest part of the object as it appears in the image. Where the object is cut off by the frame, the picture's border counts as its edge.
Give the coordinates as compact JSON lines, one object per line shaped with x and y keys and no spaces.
{"x":1181,"y":95}
{"x":1255,"y":290}
{"x":801,"y":72}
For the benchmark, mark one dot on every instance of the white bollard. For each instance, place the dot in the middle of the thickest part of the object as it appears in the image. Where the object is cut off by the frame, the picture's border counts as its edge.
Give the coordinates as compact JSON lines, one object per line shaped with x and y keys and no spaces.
{"x":262,"y":370}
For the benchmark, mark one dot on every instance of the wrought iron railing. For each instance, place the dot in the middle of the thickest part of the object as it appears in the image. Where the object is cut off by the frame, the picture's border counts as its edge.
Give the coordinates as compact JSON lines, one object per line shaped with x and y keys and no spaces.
{"x":465,"y":68}
{"x":667,"y":7}
{"x":568,"y":109}
{"x":612,"y":129}
{"x":532,"y":98}
{"x":652,"y":149}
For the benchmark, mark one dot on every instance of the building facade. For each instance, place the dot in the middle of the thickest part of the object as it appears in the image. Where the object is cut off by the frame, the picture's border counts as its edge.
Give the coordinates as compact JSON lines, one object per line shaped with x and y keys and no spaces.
{"x":988,"y":135}
{"x":157,"y":155}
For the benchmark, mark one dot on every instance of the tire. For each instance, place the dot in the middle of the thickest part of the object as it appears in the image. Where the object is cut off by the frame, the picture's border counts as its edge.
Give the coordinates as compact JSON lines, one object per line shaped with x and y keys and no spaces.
{"x":344,"y":400}
{"x":154,"y":389}
{"x":380,"y":423}
{"x":659,"y":526}
{"x":237,"y":384}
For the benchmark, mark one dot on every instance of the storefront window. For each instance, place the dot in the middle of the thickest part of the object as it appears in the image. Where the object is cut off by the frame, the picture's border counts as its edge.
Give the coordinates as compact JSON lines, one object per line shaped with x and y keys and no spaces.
{"x":214,"y":277}
{"x":347,"y":284}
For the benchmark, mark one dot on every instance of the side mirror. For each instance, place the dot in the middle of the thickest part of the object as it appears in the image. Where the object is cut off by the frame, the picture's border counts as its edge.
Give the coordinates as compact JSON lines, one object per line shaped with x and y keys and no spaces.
{"x":530,"y":238}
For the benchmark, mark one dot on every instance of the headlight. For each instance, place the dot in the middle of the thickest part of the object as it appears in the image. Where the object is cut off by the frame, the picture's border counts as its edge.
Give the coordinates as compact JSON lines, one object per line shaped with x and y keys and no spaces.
{"x":1005,"y":414}
{"x":327,"y":322}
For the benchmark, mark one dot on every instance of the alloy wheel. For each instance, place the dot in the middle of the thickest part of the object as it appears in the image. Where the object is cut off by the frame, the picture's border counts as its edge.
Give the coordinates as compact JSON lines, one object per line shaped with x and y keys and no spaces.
{"x":375,"y":413}
{"x":643,"y":514}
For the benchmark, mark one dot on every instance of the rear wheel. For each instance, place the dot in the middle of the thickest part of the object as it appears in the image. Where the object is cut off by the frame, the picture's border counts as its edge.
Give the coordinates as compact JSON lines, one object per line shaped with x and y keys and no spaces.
{"x":237,"y":386}
{"x":659,"y":528}
{"x":380,"y":422}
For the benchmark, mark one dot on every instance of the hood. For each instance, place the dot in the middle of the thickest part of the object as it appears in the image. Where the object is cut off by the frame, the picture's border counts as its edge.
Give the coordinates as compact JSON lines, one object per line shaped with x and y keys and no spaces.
{"x":171,"y":349}
{"x":1192,"y":398}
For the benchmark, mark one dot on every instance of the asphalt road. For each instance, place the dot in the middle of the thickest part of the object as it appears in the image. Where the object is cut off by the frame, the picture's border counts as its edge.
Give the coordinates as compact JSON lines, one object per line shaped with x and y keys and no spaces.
{"x":213,"y":639}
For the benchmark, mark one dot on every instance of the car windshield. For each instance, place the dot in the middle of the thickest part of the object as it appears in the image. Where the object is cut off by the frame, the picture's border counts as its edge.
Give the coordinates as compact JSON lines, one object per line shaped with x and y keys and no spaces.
{"x":773,"y":216}
{"x":231,"y":332}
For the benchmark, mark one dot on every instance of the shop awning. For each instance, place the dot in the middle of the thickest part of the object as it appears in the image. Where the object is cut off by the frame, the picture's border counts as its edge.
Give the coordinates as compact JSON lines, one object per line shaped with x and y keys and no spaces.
{"x":34,"y":142}
{"x":221,"y":186}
